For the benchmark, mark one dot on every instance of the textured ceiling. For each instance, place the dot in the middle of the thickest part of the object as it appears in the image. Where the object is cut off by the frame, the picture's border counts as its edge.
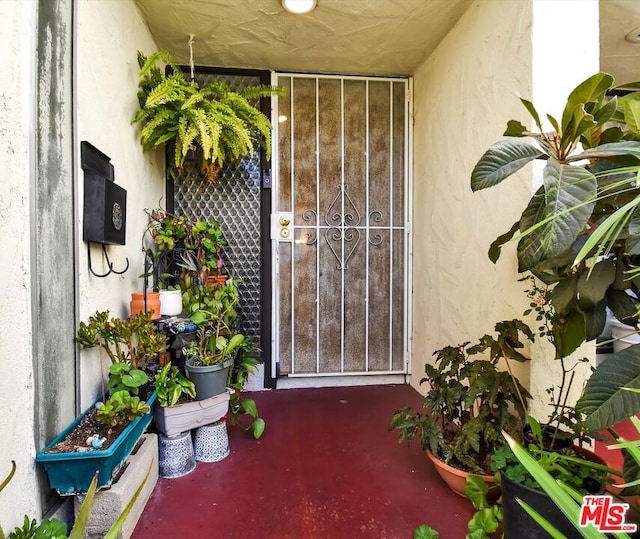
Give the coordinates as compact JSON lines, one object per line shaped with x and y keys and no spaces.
{"x":371,"y":37}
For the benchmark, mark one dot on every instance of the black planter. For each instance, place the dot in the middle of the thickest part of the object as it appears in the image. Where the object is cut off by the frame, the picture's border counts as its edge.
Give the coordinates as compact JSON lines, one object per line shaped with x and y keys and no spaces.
{"x":518,"y":523}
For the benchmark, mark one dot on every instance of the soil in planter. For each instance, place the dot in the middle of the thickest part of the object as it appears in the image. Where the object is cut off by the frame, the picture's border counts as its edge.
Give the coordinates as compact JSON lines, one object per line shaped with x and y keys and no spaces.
{"x":89,"y":425}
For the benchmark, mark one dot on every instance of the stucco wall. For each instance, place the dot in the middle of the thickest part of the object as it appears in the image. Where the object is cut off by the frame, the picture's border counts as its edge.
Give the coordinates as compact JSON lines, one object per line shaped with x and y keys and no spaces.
{"x":17,"y":96}
{"x":109,"y":34}
{"x":464,"y":96}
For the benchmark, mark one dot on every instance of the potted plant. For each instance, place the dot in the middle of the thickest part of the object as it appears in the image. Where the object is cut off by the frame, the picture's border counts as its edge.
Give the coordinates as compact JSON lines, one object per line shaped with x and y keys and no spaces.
{"x":211,"y":353}
{"x":202,"y":239}
{"x":221,"y":124}
{"x":105,"y":434}
{"x":579,"y":232}
{"x":469,"y":402}
{"x":176,"y":411}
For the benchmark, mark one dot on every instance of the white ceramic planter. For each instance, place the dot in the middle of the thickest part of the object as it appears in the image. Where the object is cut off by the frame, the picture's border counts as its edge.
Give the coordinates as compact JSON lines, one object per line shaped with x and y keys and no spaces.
{"x":170,"y":302}
{"x":173,"y":420}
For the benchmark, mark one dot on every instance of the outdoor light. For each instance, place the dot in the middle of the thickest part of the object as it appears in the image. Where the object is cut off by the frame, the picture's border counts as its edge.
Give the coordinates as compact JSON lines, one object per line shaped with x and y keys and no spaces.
{"x":299,"y":6}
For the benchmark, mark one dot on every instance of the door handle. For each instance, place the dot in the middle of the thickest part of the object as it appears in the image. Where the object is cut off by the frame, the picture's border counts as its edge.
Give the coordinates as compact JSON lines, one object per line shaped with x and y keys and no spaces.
{"x":282,"y":226}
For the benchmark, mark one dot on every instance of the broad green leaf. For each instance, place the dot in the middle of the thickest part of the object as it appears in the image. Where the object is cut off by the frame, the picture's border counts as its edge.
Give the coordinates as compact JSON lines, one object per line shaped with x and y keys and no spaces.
{"x":595,"y":320}
{"x":604,"y":402}
{"x":258,"y":427}
{"x":565,"y":188}
{"x":425,"y":532}
{"x":625,"y":147}
{"x":632,"y":245}
{"x":563,"y":294}
{"x":496,"y":245}
{"x":591,"y":89}
{"x":570,"y":333}
{"x":476,"y":490}
{"x":500,"y":161}
{"x":593,"y":285}
{"x":249,"y":407}
{"x":632,"y":116}
{"x":532,"y":110}
{"x":622,"y":306}
{"x":515,"y":129}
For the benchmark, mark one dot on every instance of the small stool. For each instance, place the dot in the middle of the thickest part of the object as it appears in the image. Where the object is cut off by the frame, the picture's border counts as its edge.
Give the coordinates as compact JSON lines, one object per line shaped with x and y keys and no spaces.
{"x":212,"y":443}
{"x":175,"y":455}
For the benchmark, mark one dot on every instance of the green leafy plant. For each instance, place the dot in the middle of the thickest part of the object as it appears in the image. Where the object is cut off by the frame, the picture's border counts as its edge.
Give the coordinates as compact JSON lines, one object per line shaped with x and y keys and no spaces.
{"x":171,"y":385}
{"x":469,"y":400}
{"x":224,"y":124}
{"x":204,"y":239}
{"x":56,"y":529}
{"x":425,"y":532}
{"x":585,"y":180}
{"x":568,"y":500}
{"x":488,"y":516}
{"x":123,"y":377}
{"x":121,"y":409}
{"x":134,"y":341}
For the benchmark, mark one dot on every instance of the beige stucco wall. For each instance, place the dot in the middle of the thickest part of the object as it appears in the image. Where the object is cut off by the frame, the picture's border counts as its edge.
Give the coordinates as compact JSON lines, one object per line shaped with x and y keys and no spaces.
{"x":464,"y":95}
{"x":109,"y":34}
{"x":17,"y":98}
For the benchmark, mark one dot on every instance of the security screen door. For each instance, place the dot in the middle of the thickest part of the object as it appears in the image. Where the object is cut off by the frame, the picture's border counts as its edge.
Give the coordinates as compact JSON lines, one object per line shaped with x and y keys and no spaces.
{"x":340,"y":226}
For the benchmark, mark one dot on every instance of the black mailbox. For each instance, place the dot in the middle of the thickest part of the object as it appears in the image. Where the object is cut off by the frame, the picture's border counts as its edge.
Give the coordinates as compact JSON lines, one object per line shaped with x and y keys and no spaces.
{"x":105,"y":203}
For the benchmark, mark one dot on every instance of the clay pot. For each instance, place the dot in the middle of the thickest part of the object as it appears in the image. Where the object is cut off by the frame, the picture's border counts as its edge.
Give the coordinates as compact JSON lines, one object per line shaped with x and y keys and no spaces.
{"x":457,"y":479}
{"x":153,"y":304}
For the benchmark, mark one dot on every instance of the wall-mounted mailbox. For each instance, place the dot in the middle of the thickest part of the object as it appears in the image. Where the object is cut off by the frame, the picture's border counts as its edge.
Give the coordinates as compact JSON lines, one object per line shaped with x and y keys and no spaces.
{"x":105,"y":203}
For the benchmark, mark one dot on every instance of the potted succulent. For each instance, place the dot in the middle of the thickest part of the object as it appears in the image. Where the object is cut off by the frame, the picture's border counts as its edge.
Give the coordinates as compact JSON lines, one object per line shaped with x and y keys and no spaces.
{"x":103,"y":436}
{"x":212,"y":120}
{"x":176,"y":411}
{"x":469,"y":402}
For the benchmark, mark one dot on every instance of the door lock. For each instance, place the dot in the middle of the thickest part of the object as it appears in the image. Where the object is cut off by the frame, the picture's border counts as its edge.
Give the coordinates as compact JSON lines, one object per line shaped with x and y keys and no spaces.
{"x":282,"y":226}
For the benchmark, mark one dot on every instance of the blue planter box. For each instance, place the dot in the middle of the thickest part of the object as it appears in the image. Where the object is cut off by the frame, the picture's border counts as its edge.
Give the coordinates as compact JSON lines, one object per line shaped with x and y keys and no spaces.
{"x":71,"y":473}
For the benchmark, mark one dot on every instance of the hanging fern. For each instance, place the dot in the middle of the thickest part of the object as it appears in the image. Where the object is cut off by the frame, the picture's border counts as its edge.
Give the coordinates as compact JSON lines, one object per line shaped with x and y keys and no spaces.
{"x":221,"y":121}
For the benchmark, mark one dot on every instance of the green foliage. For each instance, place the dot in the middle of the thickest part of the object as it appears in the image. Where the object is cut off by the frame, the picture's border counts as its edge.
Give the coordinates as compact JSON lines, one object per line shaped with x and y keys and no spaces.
{"x":488,"y":516}
{"x":171,"y":385}
{"x":123,"y":377}
{"x":469,"y":400}
{"x":425,"y":532}
{"x":56,"y":529}
{"x":591,"y":159}
{"x":203,"y":239}
{"x":121,"y":409}
{"x":134,"y":341}
{"x":225,"y":124}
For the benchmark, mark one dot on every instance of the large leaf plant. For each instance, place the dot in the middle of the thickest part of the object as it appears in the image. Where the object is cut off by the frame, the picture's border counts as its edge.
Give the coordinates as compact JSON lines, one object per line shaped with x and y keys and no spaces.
{"x":470,"y":401}
{"x":225,"y":125}
{"x":580,"y":232}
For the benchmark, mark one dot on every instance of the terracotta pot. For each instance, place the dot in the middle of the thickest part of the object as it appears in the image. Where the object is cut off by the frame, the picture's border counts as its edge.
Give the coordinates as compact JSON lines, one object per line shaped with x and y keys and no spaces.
{"x":457,"y":479}
{"x":153,"y":304}
{"x":217,"y":280}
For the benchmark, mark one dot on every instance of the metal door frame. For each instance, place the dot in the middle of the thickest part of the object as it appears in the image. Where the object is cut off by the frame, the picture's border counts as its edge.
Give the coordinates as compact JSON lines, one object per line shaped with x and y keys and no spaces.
{"x":408,"y":254}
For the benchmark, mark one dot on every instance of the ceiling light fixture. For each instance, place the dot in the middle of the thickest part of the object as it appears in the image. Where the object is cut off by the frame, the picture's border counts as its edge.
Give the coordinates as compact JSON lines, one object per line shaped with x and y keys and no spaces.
{"x":299,"y":6}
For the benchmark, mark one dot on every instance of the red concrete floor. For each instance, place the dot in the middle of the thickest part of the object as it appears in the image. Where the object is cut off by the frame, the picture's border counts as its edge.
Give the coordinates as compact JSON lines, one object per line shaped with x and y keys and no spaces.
{"x":326,"y":467}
